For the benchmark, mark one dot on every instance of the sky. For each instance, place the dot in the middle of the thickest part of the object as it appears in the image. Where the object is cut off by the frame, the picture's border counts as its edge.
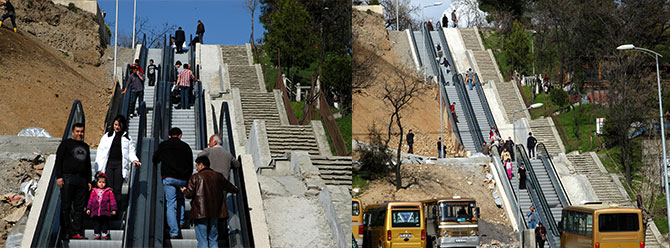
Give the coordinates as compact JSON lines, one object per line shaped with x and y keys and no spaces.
{"x":226,"y":21}
{"x":436,"y":12}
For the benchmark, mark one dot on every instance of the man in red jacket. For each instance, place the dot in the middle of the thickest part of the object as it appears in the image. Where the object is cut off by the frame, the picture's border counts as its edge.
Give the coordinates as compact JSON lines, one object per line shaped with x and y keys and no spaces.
{"x":207,"y":190}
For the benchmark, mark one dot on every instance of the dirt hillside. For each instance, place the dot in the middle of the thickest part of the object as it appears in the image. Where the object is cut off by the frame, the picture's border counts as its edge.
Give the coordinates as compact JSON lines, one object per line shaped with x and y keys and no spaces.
{"x":422,"y":116}
{"x":71,"y":30}
{"x":39,"y":85}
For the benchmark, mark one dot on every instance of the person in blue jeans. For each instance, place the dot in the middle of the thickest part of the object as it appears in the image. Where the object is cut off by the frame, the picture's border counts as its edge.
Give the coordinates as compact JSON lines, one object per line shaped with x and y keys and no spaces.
{"x":176,"y":160}
{"x":207,"y":189}
{"x":532,"y":218}
{"x":184,"y":81}
{"x":469,"y":76}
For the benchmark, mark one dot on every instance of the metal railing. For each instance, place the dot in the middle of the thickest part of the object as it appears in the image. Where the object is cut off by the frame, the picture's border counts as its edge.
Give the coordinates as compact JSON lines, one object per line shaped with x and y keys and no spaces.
{"x":144,"y":52}
{"x":48,"y":229}
{"x":416,"y":48}
{"x":508,"y":187}
{"x":542,"y":153}
{"x":475,"y":130}
{"x":431,"y":53}
{"x":133,"y":185}
{"x":538,"y":198}
{"x":200,"y":118}
{"x":240,"y":202}
{"x":485,"y":104}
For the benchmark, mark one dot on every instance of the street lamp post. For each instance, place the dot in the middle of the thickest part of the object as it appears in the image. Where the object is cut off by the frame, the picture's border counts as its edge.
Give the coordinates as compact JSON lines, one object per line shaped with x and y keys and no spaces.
{"x":116,"y":37}
{"x":516,"y":160}
{"x":660,"y":108}
{"x":134,"y":18}
{"x":532,"y":50}
{"x":397,"y":16}
{"x":428,"y":6}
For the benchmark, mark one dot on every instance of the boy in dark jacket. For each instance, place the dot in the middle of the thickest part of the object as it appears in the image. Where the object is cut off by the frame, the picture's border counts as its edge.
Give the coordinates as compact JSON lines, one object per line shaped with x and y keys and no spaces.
{"x":73,"y":174}
{"x":176,"y":159}
{"x":11,"y":14}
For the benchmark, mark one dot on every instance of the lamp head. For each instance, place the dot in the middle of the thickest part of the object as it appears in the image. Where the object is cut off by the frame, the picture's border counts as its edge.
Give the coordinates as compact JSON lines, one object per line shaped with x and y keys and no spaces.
{"x":536,"y":105}
{"x":437,"y":3}
{"x":625,"y":47}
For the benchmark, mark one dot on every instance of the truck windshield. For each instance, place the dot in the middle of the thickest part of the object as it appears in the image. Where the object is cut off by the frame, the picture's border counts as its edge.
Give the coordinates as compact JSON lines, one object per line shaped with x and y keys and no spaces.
{"x":456,"y":211}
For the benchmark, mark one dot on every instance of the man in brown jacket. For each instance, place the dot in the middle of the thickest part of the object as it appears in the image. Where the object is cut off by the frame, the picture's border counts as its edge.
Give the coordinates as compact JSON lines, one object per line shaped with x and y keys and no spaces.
{"x":206,"y":189}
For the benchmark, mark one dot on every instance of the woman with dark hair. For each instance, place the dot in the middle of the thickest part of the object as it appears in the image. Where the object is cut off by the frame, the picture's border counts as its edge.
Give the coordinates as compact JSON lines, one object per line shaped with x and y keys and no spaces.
{"x":116,"y":152}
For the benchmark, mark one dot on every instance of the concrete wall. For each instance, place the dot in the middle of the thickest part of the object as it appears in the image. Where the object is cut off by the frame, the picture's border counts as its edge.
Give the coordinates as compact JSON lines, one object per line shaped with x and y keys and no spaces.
{"x":279,"y":100}
{"x":255,"y":201}
{"x":258,"y":145}
{"x":321,"y":138}
{"x":38,"y":202}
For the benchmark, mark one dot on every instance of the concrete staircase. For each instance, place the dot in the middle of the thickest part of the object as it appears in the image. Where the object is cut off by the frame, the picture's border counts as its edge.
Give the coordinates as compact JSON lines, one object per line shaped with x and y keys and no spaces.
{"x":603,"y":184}
{"x":234,"y":55}
{"x":334,"y":170}
{"x":543,"y":131}
{"x":259,"y":106}
{"x":507,"y":91}
{"x":471,"y":39}
{"x":244,"y":77}
{"x":284,"y":139}
{"x":605,"y":188}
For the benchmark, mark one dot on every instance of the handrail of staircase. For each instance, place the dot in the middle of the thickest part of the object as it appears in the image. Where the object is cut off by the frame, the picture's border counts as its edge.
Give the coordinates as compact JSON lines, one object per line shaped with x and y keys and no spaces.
{"x":200,"y":118}
{"x":115,"y":104}
{"x":279,"y":84}
{"x":240,"y":201}
{"x":133,"y":185}
{"x":513,"y":199}
{"x":541,"y":150}
{"x":538,"y":198}
{"x":441,"y":79}
{"x":475,"y":130}
{"x":416,"y":48}
{"x":485,"y":104}
{"x":48,"y":229}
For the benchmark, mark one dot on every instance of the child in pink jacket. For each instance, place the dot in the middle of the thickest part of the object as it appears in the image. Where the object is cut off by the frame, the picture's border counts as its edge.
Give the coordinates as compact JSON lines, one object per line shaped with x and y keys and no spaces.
{"x":101,"y":206}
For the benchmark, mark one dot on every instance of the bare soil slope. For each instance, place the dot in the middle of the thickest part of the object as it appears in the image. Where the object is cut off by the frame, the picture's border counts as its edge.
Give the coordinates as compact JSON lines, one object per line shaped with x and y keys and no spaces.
{"x":39,"y":85}
{"x":372,"y":39}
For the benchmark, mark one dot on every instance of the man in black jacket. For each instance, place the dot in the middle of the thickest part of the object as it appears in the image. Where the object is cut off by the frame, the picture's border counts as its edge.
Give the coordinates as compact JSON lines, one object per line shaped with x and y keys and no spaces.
{"x":410,"y":142}
{"x":179,"y":39}
{"x":176,"y":160}
{"x":73,"y":176}
{"x":509,"y":144}
{"x":200,"y":31}
{"x":530,"y":144}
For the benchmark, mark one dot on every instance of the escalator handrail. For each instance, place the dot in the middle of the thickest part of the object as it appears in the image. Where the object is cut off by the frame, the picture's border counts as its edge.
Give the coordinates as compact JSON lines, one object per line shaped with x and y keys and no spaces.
{"x":237,"y":176}
{"x":538,"y":198}
{"x":129,"y":223}
{"x":475,"y":130}
{"x":485,"y":103}
{"x":541,"y":150}
{"x":416,"y":48}
{"x":114,"y":106}
{"x":507,"y":186}
{"x":47,"y":230}
{"x":431,"y":53}
{"x":200,"y":119}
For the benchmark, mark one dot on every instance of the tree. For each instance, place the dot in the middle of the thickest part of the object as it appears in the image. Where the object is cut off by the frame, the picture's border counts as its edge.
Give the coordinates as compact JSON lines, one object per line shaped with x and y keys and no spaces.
{"x":406,"y":13}
{"x":363,"y":69}
{"x":399,"y":92}
{"x":469,"y":13}
{"x":375,"y":157}
{"x":290,"y":35}
{"x":517,"y":48}
{"x":337,"y":76}
{"x":251,"y":5}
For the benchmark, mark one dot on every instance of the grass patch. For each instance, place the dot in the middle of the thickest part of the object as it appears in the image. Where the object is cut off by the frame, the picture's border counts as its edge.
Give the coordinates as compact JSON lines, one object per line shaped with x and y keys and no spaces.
{"x":297,"y":109}
{"x":494,"y":41}
{"x":585,"y":127}
{"x":302,"y":76}
{"x":344,"y":123}
{"x":359,"y":181}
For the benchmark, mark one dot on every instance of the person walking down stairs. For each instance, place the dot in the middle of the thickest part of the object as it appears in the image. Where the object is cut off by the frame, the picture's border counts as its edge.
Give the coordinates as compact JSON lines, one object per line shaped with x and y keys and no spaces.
{"x":10,"y":13}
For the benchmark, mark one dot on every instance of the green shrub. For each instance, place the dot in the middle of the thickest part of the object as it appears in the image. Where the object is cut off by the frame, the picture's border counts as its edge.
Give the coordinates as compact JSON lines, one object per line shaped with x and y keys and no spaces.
{"x":559,"y":97}
{"x":374,"y":2}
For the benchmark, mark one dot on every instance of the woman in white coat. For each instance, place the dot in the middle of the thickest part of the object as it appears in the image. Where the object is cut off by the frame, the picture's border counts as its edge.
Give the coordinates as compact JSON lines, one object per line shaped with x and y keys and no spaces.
{"x":116,"y":152}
